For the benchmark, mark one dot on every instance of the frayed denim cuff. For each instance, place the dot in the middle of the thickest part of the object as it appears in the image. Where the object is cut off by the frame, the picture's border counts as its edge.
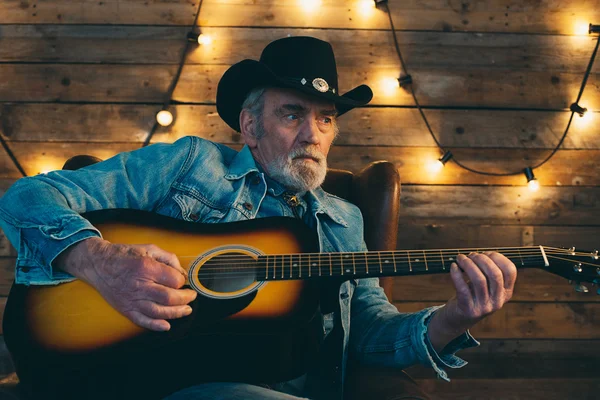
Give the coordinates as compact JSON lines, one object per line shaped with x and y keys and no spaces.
{"x":447,"y":358}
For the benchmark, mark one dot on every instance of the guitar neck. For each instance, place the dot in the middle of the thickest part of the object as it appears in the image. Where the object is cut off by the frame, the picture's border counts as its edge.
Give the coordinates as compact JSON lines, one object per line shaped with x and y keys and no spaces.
{"x":381,"y":263}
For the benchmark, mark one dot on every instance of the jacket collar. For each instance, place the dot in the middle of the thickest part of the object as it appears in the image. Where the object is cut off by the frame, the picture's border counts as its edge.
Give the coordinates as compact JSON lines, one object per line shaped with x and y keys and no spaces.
{"x":319,"y":201}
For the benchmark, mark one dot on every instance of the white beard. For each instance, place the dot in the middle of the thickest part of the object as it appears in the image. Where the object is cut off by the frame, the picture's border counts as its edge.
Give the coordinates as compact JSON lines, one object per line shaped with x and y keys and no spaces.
{"x":297,"y":174}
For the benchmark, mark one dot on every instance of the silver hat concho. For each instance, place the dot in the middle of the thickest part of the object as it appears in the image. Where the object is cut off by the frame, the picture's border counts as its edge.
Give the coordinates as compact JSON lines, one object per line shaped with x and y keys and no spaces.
{"x":320,"y":84}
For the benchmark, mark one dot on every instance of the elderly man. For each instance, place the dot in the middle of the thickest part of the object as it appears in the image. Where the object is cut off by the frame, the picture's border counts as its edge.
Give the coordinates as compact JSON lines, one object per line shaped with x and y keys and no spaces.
{"x":286,"y":107}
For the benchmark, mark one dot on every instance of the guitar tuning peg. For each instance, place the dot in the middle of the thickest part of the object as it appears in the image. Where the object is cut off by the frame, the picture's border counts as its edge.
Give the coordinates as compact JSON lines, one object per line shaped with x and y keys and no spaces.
{"x":595,"y":254}
{"x":572,"y":251}
{"x":580,"y":288}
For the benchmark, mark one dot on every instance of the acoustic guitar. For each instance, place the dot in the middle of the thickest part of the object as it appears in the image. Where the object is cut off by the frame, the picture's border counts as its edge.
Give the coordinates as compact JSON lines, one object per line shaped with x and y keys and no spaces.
{"x":255,"y":279}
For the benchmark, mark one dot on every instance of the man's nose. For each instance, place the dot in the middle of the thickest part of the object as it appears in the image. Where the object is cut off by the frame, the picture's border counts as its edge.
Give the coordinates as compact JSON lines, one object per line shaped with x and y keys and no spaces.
{"x":310,"y":132}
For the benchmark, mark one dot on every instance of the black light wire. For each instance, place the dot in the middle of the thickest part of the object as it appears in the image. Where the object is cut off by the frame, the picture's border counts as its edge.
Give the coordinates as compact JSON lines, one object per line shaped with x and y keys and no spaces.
{"x":166,"y":103}
{"x":407,"y":79}
{"x":169,"y":95}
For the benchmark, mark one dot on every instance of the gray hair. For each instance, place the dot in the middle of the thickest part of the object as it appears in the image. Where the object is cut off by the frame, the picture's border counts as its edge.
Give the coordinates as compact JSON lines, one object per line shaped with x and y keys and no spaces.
{"x":255,"y":104}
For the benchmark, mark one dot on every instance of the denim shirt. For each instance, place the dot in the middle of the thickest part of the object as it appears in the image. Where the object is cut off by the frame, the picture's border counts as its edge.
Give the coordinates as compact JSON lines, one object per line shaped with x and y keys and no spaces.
{"x":201,"y":181}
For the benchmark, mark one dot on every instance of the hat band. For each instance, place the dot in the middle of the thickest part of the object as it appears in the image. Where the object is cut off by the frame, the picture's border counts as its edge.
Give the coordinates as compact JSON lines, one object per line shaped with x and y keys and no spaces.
{"x":318,"y":84}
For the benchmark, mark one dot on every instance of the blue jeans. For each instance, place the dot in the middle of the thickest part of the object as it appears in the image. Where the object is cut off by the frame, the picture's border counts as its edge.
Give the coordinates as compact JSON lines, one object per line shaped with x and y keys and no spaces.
{"x":232,"y":391}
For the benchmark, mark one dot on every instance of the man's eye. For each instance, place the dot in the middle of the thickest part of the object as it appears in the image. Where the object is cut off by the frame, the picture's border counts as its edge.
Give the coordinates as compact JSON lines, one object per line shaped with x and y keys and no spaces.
{"x":291,"y":117}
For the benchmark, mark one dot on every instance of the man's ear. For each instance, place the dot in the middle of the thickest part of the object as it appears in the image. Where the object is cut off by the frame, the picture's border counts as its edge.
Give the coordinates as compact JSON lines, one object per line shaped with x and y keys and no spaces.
{"x":247,"y":127}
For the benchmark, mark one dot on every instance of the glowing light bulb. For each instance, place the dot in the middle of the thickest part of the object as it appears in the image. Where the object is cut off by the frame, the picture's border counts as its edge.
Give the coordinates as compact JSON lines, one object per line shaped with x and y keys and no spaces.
{"x":533,"y":185}
{"x":204,"y":39}
{"x":310,"y":6}
{"x":389,"y":86}
{"x":581,"y":27}
{"x":366,"y":8}
{"x":588,"y":117}
{"x":434,"y":166}
{"x":164,"y":118}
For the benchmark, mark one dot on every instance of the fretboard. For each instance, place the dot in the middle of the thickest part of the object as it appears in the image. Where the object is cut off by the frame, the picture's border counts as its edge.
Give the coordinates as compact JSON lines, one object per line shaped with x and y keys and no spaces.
{"x":379,"y":263}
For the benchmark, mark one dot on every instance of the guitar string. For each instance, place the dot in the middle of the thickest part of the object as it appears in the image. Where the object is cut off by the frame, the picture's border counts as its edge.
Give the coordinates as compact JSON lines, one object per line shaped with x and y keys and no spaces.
{"x":240,"y":257}
{"x":282,"y":270}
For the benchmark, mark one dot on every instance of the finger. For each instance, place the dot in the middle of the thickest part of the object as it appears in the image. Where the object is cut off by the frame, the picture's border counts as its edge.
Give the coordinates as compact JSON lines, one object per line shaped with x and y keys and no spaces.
{"x":166,"y":257}
{"x":158,"y":311}
{"x":508,"y":268}
{"x":463,"y":292}
{"x":477,"y":278}
{"x":170,"y":297}
{"x":492,"y":273}
{"x":162,"y":273}
{"x":144,"y":321}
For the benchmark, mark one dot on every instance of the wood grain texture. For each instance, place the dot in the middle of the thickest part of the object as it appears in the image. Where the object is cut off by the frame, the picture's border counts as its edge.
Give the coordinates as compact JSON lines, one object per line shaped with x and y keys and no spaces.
{"x":513,"y":389}
{"x":484,"y":16}
{"x":120,"y":44}
{"x":369,"y":126}
{"x":480,"y":87}
{"x":525,"y":359}
{"x":572,"y":168}
{"x":524,"y":320}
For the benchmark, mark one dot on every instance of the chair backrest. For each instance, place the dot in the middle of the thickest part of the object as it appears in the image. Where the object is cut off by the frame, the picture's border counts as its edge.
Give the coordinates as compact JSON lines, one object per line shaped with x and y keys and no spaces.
{"x":375,"y":190}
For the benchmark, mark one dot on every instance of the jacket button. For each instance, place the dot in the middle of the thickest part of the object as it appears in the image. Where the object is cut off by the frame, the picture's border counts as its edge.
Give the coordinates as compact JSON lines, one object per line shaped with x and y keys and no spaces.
{"x":248,"y":206}
{"x":194,"y":217}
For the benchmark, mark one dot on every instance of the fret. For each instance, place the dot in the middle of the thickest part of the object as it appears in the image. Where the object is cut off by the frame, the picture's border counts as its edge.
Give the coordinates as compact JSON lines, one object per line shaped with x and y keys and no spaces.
{"x":282,"y":265}
{"x":319,"y":263}
{"x":266,"y":267}
{"x":330,"y":266}
{"x":274,"y":266}
{"x":380,"y":263}
{"x":366,"y":262}
{"x":394,"y":259}
{"x":442,"y":258}
{"x":521,"y":257}
{"x":425,"y":258}
{"x":354,"y":263}
{"x":409,"y":263}
{"x":386,"y":264}
{"x":300,"y":265}
{"x":342,"y":263}
{"x":291,"y":274}
{"x":337,"y":264}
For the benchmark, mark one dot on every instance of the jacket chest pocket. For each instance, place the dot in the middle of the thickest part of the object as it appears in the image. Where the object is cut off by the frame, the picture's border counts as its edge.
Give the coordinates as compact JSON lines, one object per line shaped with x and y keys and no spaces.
{"x":194,"y":210}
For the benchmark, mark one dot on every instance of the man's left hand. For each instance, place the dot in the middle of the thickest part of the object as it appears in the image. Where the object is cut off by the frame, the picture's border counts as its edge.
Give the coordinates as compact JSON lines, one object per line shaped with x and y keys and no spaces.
{"x":485,"y":285}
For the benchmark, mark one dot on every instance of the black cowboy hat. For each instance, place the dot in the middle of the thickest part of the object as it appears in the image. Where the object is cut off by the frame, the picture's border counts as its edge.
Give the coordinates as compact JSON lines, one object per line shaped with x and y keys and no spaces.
{"x":300,"y":62}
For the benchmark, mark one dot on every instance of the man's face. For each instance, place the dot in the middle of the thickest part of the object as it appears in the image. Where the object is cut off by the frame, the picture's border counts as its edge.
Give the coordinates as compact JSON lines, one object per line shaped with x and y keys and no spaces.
{"x":293,"y":140}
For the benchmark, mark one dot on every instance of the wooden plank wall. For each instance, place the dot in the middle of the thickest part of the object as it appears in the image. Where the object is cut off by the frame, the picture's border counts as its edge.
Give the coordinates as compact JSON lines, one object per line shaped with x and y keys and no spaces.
{"x":496,"y":79}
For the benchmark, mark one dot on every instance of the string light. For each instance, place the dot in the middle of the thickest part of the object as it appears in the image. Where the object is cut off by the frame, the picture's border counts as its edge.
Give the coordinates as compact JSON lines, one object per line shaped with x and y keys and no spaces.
{"x":164,"y":118}
{"x":532,"y":183}
{"x":576,"y":108}
{"x":406,"y":81}
{"x":366,"y":8}
{"x":310,"y":6}
{"x":200,"y":38}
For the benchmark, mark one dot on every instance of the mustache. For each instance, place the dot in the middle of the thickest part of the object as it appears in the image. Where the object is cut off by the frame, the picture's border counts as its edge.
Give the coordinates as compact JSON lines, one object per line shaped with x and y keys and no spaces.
{"x":311,"y":152}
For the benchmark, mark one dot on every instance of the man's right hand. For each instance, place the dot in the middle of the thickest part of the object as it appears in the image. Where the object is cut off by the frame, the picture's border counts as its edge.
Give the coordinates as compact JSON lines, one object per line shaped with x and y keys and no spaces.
{"x":142,"y":282}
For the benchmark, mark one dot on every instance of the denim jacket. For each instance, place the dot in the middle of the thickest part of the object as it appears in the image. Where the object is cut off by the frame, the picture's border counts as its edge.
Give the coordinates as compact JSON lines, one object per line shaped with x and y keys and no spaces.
{"x":198,"y":180}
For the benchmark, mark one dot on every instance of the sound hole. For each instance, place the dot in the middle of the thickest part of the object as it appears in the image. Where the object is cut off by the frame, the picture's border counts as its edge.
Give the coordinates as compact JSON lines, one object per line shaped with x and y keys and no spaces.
{"x":228,"y":273}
